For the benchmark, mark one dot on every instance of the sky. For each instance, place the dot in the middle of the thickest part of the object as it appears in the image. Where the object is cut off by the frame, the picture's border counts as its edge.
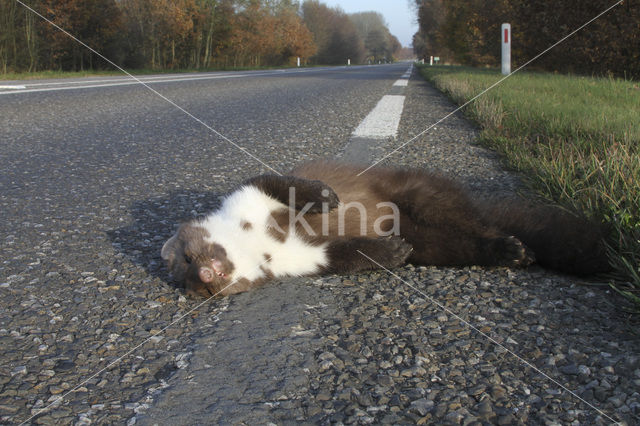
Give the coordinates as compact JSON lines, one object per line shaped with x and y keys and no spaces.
{"x":397,"y":13}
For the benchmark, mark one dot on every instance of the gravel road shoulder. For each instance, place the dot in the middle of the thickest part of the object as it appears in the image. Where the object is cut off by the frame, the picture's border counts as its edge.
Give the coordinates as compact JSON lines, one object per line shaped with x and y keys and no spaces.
{"x":82,"y":284}
{"x":370,"y":349}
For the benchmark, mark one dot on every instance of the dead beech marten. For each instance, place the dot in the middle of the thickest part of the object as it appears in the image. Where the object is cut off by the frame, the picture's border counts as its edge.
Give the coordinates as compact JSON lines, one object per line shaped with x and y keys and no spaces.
{"x":322,"y":217}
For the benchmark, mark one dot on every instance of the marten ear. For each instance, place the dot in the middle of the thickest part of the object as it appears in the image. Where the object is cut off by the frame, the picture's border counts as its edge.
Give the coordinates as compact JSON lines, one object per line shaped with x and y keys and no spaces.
{"x":168,"y":252}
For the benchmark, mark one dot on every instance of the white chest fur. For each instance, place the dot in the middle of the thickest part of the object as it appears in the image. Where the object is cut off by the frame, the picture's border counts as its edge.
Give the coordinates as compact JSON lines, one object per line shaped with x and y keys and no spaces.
{"x":240,"y":226}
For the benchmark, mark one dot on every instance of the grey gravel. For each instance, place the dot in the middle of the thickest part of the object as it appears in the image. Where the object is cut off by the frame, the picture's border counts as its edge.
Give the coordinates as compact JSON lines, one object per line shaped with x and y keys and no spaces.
{"x":93,"y":186}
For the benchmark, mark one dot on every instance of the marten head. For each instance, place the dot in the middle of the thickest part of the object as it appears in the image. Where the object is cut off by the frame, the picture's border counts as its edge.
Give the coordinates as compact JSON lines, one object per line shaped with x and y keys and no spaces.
{"x":199,"y":264}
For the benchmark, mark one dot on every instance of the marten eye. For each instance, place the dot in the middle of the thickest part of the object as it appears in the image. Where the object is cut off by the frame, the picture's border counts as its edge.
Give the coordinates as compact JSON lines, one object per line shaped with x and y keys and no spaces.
{"x":187,"y":259}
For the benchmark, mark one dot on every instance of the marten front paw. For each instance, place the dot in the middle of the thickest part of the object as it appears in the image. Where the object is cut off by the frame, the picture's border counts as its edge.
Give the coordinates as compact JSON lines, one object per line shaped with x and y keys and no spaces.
{"x":330,"y":197}
{"x":324,"y":199}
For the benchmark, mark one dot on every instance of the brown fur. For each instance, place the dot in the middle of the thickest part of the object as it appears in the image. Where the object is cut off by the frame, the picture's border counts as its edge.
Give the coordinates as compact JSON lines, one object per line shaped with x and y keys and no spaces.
{"x":445,"y":226}
{"x":439,"y":224}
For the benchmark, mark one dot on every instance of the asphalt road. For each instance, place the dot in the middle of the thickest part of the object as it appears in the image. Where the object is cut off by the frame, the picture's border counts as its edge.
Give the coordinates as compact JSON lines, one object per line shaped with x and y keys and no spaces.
{"x":87,"y":143}
{"x":97,"y":173}
{"x":83,"y":159}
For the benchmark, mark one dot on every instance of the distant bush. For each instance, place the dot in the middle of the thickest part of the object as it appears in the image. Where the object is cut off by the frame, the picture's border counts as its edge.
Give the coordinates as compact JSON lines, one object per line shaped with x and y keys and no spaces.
{"x":467,"y":32}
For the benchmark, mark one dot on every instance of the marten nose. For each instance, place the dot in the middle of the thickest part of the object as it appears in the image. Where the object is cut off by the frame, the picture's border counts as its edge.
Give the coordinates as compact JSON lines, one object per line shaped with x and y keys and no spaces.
{"x":206,"y":274}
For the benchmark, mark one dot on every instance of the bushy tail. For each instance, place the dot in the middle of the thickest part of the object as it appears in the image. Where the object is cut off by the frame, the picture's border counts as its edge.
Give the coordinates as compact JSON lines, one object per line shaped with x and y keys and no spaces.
{"x":561,"y":240}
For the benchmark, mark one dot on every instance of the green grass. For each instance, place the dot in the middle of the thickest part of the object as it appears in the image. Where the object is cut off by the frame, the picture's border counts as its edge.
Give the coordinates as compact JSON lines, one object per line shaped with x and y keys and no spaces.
{"x":575,"y":138}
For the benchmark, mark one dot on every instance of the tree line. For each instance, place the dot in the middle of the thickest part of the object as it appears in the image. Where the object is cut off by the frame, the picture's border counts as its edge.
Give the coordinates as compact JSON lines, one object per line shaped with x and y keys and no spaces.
{"x":468,"y":32}
{"x":194,"y":34}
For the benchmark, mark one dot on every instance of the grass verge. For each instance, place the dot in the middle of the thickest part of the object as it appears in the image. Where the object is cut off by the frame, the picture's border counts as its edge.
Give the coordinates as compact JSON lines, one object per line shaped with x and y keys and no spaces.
{"x":136,"y":72}
{"x":576,"y":139}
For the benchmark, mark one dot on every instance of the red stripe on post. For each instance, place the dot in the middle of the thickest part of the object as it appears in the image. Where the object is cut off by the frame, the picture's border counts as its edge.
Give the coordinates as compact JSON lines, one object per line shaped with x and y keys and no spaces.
{"x":506,"y":35}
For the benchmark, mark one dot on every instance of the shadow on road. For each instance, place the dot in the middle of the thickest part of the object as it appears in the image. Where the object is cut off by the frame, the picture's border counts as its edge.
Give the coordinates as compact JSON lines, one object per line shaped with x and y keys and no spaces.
{"x":155,"y":220}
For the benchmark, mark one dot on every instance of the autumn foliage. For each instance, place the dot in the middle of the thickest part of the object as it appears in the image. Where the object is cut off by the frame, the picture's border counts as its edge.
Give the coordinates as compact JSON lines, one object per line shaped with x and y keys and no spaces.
{"x":172,"y":34}
{"x":468,"y":32}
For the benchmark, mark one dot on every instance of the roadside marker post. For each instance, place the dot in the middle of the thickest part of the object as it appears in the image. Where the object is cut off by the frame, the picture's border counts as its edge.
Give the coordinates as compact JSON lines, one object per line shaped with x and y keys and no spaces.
{"x":506,"y":48}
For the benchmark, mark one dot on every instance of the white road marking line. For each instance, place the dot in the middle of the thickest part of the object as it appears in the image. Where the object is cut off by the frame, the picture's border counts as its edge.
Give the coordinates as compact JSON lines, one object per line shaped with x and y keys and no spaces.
{"x":13,"y":87}
{"x":383,"y":120}
{"x":122,"y":83}
{"x":146,"y":80}
{"x":122,"y":79}
{"x":167,"y":77}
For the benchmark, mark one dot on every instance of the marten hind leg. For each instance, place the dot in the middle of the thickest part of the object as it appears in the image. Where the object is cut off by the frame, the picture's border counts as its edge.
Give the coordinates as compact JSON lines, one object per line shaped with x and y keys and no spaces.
{"x":432,"y":200}
{"x":348,"y":255}
{"x":443,"y":246}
